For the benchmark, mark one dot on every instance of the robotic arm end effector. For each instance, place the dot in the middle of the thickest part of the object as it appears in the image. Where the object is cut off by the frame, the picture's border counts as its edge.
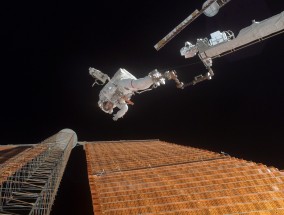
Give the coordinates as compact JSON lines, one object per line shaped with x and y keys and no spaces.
{"x":172,"y":75}
{"x":159,"y":78}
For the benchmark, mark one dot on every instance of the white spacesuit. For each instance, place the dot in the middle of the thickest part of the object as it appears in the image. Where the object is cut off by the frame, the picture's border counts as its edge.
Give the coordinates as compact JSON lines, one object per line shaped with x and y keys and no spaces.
{"x":118,"y":91}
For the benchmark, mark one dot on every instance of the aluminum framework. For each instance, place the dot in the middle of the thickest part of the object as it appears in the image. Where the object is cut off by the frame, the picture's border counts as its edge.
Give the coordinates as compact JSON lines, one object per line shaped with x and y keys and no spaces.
{"x":29,"y":181}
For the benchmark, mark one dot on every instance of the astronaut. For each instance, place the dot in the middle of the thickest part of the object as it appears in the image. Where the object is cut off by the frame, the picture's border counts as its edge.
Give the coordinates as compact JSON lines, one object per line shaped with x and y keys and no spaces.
{"x":119,"y":89}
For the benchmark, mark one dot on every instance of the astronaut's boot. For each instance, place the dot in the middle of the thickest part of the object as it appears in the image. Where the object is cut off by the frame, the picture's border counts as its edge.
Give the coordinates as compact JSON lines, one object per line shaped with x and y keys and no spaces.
{"x":157,"y":78}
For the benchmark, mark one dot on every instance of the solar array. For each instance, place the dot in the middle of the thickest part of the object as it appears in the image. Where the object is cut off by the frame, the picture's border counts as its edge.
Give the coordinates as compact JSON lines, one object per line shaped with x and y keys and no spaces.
{"x":155,"y":177}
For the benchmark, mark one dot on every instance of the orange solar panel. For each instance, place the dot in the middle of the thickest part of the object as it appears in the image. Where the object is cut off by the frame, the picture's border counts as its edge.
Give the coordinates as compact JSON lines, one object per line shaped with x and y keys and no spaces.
{"x":7,"y":152}
{"x":155,"y":177}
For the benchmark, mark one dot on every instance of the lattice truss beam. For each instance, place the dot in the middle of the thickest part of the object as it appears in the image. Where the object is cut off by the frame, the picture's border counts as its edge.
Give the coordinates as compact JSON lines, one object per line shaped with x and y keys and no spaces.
{"x":29,"y":181}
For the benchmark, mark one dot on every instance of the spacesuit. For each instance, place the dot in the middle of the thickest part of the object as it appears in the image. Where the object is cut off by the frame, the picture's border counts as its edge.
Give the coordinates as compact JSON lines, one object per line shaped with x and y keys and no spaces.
{"x":119,"y":89}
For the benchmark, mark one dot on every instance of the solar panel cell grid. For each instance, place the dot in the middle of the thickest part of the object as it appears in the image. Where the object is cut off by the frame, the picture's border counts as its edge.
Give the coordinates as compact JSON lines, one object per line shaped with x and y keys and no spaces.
{"x":162,"y":178}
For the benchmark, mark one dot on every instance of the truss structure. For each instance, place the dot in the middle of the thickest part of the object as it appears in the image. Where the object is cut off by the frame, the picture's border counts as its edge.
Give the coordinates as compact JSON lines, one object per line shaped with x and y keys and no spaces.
{"x":29,"y":181}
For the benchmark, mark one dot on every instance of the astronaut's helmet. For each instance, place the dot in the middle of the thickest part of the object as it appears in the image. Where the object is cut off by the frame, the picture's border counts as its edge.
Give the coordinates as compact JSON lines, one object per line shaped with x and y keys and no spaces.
{"x":106,"y":106}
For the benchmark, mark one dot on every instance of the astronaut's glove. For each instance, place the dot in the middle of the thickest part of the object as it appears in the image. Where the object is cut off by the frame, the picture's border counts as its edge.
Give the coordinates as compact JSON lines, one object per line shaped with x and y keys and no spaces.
{"x":115,"y":118}
{"x":157,"y":78}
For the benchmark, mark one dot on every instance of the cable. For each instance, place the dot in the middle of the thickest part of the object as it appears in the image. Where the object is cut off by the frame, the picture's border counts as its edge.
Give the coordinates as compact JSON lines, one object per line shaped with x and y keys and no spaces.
{"x":181,"y":66}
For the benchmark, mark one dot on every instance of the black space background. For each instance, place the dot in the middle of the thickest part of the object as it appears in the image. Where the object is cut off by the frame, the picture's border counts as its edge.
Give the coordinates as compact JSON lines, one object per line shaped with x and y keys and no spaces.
{"x":48,"y":47}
